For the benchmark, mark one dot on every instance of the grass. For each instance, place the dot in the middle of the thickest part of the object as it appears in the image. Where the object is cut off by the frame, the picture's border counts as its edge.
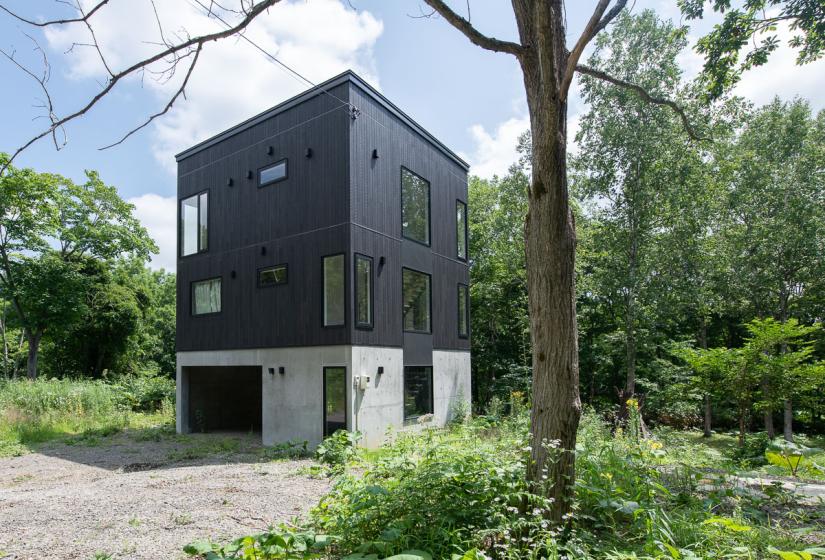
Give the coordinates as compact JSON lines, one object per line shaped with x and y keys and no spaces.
{"x":77,"y":412}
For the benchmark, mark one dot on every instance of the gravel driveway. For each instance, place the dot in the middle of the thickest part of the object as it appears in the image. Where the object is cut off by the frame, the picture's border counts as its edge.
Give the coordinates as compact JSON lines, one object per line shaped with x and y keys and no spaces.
{"x":128,"y":498}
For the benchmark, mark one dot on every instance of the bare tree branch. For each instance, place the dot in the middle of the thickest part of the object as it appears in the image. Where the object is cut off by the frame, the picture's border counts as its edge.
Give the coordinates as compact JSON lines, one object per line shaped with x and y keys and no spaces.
{"x":47,"y":23}
{"x":597,"y":22}
{"x":178,"y":93}
{"x":175,"y":53}
{"x":473,"y":34}
{"x":644,"y":94}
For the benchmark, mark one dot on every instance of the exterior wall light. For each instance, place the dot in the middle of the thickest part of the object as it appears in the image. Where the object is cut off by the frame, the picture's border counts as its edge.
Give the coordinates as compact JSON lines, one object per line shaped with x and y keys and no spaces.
{"x":230,"y":182}
{"x":272,"y":371}
{"x":308,"y":152}
{"x":380,"y":370}
{"x":375,"y":154}
{"x":281,"y":370}
{"x":270,"y":150}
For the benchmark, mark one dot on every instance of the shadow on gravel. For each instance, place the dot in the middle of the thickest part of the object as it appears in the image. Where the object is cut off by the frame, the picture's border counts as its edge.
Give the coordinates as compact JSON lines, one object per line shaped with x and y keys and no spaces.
{"x":135,"y":450}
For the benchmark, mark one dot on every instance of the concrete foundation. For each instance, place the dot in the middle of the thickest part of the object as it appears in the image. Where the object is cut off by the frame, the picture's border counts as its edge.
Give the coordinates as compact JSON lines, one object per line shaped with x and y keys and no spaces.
{"x":292,"y":402}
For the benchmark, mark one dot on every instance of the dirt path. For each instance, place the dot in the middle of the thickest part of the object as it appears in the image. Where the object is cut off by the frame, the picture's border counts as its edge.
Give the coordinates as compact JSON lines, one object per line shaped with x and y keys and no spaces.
{"x":144,"y":499}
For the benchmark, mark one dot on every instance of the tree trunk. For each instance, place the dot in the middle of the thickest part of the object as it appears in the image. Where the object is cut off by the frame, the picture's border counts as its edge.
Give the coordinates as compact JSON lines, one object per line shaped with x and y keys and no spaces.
{"x":34,"y":345}
{"x":768,"y":414}
{"x":551,"y":254}
{"x":708,"y":429}
{"x":741,"y":427}
{"x":787,"y":425}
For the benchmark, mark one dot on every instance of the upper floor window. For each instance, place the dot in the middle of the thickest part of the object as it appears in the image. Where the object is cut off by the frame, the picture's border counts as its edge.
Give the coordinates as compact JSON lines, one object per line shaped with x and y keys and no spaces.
{"x":272,"y":174}
{"x":415,"y":294}
{"x":194,"y":234}
{"x":272,"y":276}
{"x":363,"y":291}
{"x":206,"y":296}
{"x":461,"y":229}
{"x":415,"y":207}
{"x":463,"y":311}
{"x":334,"y":290}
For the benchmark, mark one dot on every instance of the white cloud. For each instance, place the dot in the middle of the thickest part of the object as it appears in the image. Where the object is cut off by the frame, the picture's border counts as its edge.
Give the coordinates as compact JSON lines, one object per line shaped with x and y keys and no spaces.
{"x":158,"y":215}
{"x":233,"y":80}
{"x":494,"y":152}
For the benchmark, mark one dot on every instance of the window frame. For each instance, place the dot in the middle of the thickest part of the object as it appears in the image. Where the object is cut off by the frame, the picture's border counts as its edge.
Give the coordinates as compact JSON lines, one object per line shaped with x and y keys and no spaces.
{"x":430,"y":281}
{"x":429,"y":207}
{"x":200,"y":250}
{"x":466,"y":256}
{"x":356,"y":284}
{"x":324,"y":397}
{"x":192,"y":297}
{"x":343,"y":322}
{"x":285,"y":161}
{"x":269,"y":267}
{"x":461,"y":285}
{"x":412,"y":419}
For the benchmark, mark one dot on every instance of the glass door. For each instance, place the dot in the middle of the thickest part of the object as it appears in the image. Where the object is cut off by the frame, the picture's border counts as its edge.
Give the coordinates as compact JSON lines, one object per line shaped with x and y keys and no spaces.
{"x":335,"y":399}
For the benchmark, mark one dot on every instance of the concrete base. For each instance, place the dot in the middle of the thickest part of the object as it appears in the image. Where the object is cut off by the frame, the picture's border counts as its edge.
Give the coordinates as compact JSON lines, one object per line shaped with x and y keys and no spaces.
{"x":292,"y":402}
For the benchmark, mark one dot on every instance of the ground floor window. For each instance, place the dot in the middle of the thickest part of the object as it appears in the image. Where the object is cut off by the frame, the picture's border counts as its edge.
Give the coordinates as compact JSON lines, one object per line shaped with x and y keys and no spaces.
{"x":335,"y":400}
{"x":418,"y":391}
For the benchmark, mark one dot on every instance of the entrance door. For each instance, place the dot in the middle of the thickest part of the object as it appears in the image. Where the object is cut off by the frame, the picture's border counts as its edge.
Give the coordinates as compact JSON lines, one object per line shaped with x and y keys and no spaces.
{"x":335,"y":399}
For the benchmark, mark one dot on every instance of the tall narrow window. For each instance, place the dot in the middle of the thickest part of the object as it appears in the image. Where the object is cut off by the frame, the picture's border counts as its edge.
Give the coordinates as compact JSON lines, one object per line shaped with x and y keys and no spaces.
{"x":333,"y":290}
{"x":415,"y":207}
{"x":418,"y":391}
{"x":272,"y":174}
{"x":194,"y":235}
{"x":461,"y":229}
{"x":206,"y":296}
{"x":363,"y":291}
{"x":335,"y":400}
{"x":415,"y":296}
{"x":463,"y":311}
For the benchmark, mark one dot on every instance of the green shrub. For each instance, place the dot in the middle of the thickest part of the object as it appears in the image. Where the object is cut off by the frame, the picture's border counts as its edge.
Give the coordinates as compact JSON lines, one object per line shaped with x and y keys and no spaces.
{"x":146,"y":393}
{"x":336,"y":450}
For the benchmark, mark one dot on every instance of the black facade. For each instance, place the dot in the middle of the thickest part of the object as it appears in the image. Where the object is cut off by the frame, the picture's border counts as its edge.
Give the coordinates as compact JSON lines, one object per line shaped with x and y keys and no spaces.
{"x":344,"y":145}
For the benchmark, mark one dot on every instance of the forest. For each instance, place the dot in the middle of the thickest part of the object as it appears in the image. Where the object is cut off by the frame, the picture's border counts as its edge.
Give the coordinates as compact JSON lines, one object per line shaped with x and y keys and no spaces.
{"x":699,"y":298}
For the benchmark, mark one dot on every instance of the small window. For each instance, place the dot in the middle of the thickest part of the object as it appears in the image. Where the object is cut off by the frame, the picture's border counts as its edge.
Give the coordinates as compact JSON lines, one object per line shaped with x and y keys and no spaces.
{"x":206,"y":296}
{"x":463,"y":311}
{"x":415,"y":207}
{"x":333,"y":290}
{"x":461,"y":229}
{"x":416,"y":301}
{"x":363,"y":291}
{"x":194,"y":234}
{"x":272,"y":276}
{"x":418,"y":391}
{"x":272,"y":174}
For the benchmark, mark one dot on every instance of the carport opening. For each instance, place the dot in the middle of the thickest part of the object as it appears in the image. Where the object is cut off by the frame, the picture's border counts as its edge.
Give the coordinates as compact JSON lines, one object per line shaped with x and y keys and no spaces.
{"x":225,"y":398}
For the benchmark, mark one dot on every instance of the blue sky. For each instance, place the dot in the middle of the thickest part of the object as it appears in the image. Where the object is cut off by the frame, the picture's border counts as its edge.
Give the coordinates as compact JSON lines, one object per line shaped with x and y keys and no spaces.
{"x":469,"y":98}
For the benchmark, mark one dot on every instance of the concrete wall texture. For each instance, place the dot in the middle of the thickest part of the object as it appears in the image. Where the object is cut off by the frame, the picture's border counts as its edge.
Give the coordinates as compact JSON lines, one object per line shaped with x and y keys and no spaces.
{"x":292,"y":402}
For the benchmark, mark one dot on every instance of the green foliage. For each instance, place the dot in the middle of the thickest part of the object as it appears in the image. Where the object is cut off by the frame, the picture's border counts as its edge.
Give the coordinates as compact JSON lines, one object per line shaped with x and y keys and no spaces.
{"x":33,"y":412}
{"x":788,"y":454}
{"x":338,"y":449}
{"x":754,"y":26}
{"x":460,"y":493}
{"x":283,"y":543}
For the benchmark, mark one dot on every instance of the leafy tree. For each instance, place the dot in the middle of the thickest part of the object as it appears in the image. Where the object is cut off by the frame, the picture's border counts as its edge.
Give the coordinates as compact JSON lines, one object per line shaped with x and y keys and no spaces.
{"x":754,"y":26}
{"x":498,"y":289}
{"x":85,"y":220}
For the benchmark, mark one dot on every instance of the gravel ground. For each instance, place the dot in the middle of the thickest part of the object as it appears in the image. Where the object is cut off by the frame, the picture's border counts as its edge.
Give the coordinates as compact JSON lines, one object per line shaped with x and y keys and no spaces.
{"x":145,"y":499}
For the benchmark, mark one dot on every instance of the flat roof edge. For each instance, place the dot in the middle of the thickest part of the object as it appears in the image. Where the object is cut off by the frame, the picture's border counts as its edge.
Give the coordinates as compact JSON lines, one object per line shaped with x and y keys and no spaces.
{"x":320,"y":89}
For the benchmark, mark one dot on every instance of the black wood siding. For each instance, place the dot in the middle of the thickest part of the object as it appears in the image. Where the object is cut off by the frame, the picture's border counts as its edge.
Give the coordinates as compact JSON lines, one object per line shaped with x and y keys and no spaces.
{"x":341,"y":200}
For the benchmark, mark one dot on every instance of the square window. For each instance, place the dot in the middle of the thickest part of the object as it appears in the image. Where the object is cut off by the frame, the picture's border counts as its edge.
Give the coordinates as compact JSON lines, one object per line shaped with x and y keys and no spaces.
{"x":206,"y":296}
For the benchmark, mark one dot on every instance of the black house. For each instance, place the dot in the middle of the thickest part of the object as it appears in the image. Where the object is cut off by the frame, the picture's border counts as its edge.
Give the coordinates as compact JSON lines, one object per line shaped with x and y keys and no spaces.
{"x":322,"y":271}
